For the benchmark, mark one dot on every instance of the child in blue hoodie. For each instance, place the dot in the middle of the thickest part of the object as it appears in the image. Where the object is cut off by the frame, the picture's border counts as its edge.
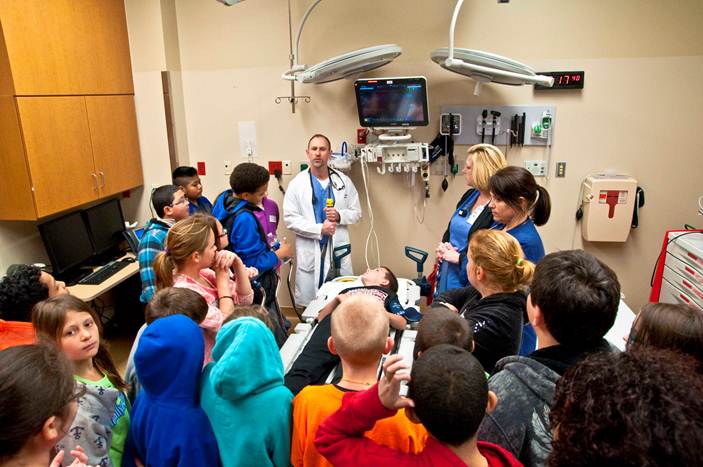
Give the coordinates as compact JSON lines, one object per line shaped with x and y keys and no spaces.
{"x":244,"y":396}
{"x":169,"y":428}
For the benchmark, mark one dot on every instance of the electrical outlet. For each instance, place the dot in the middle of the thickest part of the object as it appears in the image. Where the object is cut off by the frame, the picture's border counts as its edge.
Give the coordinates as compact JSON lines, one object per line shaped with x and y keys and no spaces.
{"x":560,"y":170}
{"x":228,"y":167}
{"x":287,"y":168}
{"x":275,"y":166}
{"x":536,"y":168}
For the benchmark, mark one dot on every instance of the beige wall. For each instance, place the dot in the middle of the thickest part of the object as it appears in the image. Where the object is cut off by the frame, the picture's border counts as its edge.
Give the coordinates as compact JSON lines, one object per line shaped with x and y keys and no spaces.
{"x":641,"y":64}
{"x":639,"y":113}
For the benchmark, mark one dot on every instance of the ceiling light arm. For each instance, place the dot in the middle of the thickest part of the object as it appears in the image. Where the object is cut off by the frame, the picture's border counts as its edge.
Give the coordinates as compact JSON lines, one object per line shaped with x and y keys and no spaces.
{"x":452,"y":26}
{"x":290,"y":75}
{"x":300,"y":32}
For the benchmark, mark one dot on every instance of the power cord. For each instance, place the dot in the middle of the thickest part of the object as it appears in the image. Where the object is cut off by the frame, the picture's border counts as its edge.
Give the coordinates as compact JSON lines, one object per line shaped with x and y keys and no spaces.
{"x":279,"y":176}
{"x":372,"y":230}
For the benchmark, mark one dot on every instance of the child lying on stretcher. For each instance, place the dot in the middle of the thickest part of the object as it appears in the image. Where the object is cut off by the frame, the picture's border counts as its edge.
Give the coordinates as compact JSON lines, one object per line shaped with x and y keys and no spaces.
{"x":382,"y":284}
{"x":315,"y":361}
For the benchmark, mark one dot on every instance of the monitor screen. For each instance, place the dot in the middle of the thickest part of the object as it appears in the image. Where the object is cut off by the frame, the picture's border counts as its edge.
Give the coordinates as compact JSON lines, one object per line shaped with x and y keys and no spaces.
{"x":392,"y":102}
{"x":67,"y":242}
{"x":106,"y":224}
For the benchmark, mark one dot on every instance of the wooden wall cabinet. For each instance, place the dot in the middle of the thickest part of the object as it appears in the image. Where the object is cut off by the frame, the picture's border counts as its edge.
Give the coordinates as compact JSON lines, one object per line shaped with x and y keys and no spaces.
{"x":77,"y":149}
{"x":65,"y":47}
{"x":68,"y":129}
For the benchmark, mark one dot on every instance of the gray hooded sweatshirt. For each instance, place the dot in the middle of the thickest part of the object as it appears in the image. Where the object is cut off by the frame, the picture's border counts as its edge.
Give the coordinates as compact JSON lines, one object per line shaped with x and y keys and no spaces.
{"x":525,"y":389}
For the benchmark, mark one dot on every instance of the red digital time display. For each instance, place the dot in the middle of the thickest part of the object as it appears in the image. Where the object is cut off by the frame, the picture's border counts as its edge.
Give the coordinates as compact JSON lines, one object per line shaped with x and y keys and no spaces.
{"x":564,"y":80}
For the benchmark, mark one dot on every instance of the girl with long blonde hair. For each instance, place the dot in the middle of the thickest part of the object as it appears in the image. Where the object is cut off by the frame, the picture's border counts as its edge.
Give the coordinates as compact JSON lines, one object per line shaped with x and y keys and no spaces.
{"x":191,"y":260}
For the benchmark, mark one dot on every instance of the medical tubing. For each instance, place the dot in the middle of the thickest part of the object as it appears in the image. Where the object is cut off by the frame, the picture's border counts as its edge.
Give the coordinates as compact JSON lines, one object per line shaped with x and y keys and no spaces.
{"x":364,"y":174}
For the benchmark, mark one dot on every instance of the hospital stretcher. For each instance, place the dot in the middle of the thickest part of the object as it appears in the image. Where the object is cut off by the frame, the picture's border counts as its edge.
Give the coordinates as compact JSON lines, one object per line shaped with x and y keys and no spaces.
{"x":408,"y":295}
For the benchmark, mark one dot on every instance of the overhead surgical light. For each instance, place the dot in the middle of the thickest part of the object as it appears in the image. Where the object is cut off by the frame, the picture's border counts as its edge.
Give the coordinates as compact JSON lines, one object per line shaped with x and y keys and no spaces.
{"x":484,"y":67}
{"x":341,"y":66}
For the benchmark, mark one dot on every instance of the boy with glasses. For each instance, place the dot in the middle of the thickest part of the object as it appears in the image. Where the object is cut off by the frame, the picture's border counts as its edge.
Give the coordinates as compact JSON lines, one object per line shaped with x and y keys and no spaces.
{"x":171,"y":205}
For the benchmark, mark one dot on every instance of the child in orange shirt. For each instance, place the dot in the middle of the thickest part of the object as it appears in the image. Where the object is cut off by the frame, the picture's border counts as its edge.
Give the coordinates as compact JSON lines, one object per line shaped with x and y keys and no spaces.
{"x":359,"y":337}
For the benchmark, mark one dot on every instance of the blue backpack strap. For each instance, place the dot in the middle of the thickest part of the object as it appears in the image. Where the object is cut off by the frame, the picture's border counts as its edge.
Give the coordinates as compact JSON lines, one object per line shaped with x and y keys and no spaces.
{"x":240,"y":208}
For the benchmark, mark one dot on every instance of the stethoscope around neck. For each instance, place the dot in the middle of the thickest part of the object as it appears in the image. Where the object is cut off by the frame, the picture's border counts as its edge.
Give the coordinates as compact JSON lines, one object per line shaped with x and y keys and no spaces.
{"x":338,"y":186}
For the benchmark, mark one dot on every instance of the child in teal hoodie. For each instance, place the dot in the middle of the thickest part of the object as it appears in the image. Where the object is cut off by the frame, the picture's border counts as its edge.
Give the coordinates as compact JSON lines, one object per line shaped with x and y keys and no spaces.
{"x":243,"y":395}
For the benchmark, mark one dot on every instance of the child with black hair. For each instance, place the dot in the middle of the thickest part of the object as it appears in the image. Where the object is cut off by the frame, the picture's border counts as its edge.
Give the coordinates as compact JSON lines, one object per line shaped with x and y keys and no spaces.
{"x":573,"y":302}
{"x":188,"y":180}
{"x":37,"y":405}
{"x":103,"y":417}
{"x":640,"y":408}
{"x":447,"y":393}
{"x":236,"y":209}
{"x":23,"y":287}
{"x":170,"y":204}
{"x":249,"y":184}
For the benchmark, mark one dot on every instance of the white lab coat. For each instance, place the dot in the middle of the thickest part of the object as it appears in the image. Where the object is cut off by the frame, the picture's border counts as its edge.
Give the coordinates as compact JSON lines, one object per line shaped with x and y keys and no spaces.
{"x":299,"y":217}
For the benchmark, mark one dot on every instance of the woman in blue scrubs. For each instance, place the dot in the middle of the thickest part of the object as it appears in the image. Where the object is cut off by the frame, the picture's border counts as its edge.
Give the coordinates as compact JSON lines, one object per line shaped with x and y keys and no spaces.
{"x":518,"y":204}
{"x":472,"y":213}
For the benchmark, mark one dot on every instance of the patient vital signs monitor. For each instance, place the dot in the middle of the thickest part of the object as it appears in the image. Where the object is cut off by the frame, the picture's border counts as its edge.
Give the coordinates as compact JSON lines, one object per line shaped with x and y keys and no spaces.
{"x":392,"y":102}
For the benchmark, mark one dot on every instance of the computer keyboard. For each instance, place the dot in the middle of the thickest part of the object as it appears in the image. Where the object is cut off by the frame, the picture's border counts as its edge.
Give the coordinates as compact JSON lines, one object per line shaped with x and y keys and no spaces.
{"x":104,"y":273}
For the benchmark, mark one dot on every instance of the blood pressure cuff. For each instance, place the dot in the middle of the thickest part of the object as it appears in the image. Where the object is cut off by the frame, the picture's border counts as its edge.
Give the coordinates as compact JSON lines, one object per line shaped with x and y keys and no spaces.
{"x":438,"y":145}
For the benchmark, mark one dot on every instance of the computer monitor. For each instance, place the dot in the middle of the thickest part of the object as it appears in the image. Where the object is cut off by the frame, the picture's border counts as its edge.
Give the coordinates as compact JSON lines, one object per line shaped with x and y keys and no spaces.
{"x":392,"y":102}
{"x":105,"y":223}
{"x":67,"y":242}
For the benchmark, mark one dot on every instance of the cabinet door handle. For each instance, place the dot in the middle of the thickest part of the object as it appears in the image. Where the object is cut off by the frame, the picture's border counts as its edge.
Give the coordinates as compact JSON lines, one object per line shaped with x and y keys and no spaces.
{"x":95,"y":181}
{"x":102,"y":177}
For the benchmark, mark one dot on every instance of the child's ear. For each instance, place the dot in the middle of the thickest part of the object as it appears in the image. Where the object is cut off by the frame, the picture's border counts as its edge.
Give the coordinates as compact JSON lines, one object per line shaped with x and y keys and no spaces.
{"x":412,"y":416}
{"x":195,"y":256}
{"x":534,"y":313}
{"x":480,"y":273}
{"x":330,"y":346}
{"x":51,"y":430}
{"x":389,"y":344}
{"x":492,"y":402}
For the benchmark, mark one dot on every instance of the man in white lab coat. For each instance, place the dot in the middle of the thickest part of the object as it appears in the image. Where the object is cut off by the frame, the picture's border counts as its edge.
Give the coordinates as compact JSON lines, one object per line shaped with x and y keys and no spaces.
{"x":319,"y":204}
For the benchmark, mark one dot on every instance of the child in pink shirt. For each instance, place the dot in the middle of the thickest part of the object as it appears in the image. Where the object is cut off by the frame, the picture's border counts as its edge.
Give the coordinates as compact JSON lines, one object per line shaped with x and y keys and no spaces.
{"x":192,"y":260}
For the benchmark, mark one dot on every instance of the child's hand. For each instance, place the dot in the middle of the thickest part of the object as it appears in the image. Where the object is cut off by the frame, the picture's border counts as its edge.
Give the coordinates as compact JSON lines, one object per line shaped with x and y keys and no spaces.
{"x":395,"y":370}
{"x":80,"y":458}
{"x":252,"y":272}
{"x":285,"y":250}
{"x":224,"y":259}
